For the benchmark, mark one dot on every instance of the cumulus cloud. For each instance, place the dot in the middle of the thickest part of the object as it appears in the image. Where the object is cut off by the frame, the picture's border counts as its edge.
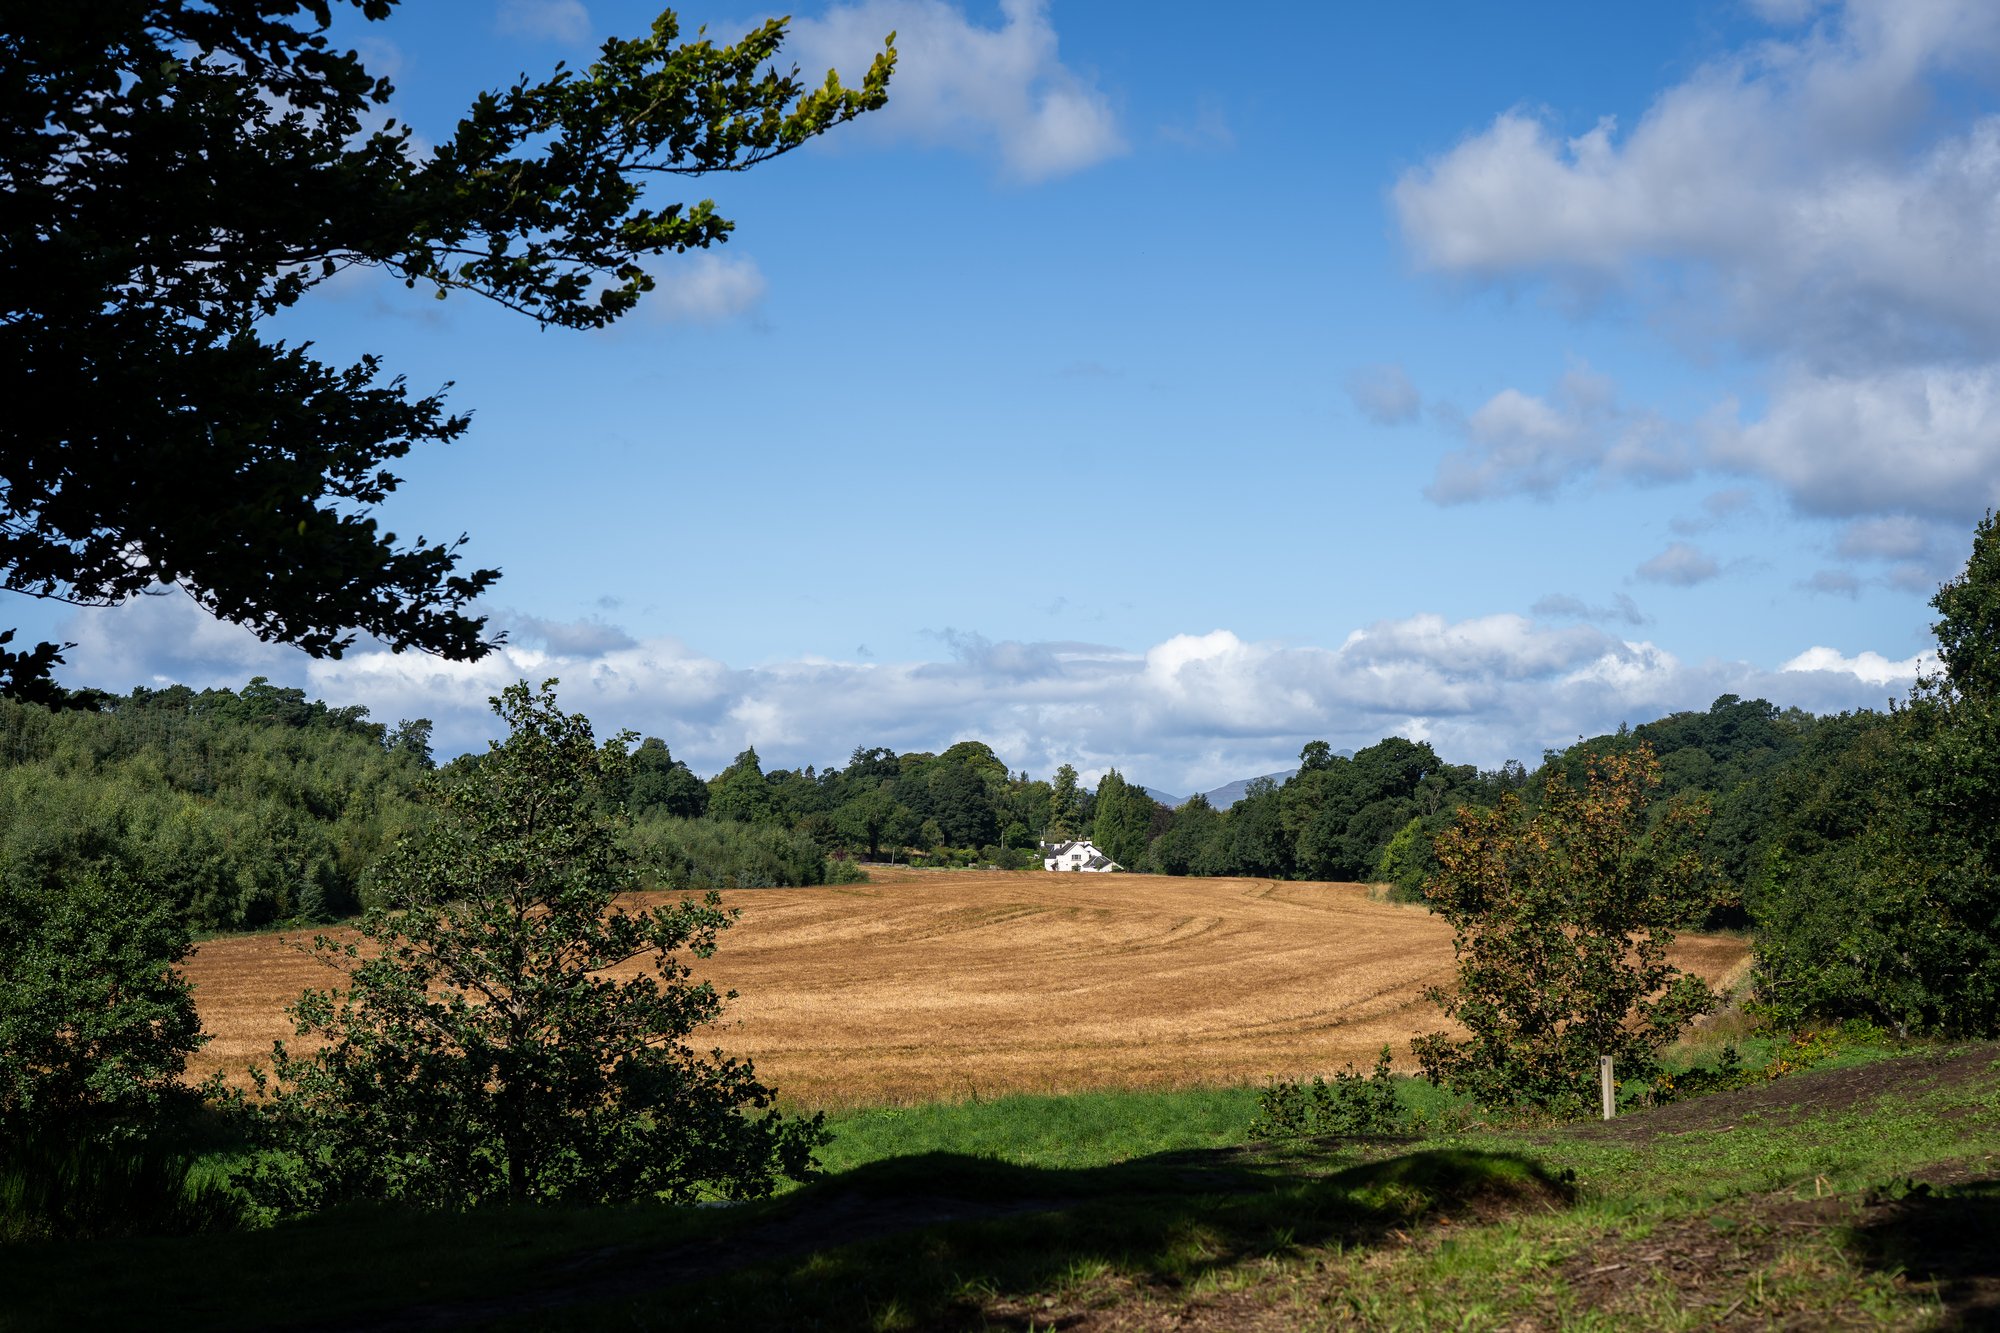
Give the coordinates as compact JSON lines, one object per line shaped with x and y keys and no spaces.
{"x":1805,"y":177}
{"x":1870,"y":667}
{"x":961,"y":84}
{"x":1186,"y":713}
{"x":565,"y":21}
{"x":1823,"y":198}
{"x":1384,"y":395}
{"x":1924,"y":440}
{"x":703,"y":288}
{"x":1520,"y":444}
{"x":1680,"y":565}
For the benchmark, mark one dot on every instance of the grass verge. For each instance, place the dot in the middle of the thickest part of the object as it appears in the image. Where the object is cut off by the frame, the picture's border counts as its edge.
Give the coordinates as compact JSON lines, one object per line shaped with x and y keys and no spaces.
{"x":1861,"y":1195}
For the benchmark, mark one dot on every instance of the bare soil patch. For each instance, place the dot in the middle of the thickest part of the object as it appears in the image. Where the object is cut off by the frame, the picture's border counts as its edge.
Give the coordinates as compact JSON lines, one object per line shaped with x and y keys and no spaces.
{"x":948,"y":985}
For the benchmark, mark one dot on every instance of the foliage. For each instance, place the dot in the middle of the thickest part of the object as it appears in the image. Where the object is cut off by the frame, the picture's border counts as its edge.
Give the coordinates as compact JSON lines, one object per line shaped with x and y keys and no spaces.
{"x":232,"y":808}
{"x":95,"y":1029}
{"x":175,"y":174}
{"x":1562,"y":918}
{"x":1065,"y":812}
{"x":479,"y":1051}
{"x":1407,"y":861}
{"x":720,"y":854}
{"x":1353,"y":1105}
{"x":1123,"y":827}
{"x":87,"y":1187}
{"x":660,"y":782}
{"x":95,"y":1022}
{"x":1881,"y":895}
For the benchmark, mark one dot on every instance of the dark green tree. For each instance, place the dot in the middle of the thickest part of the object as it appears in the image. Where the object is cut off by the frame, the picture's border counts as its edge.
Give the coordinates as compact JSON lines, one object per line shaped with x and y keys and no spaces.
{"x":662,"y":782}
{"x":173,"y":174}
{"x":480,"y":1052}
{"x":867,"y":816}
{"x":1123,"y":825}
{"x":1065,"y":812}
{"x":740,"y":791}
{"x":96,"y":1023}
{"x":1900,"y":922}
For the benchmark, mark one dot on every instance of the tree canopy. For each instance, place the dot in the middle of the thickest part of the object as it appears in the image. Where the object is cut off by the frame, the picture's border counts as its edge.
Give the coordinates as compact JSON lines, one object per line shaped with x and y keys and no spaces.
{"x":479,"y":1050}
{"x":172,"y":175}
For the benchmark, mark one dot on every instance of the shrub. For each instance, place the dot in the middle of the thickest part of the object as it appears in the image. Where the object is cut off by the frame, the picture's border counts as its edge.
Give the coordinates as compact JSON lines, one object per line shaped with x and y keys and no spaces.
{"x":684,"y":854}
{"x":1352,"y":1105}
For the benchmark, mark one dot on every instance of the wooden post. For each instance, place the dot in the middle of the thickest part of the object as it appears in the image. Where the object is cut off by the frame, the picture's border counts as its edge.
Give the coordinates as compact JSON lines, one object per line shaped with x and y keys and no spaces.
{"x":1607,"y":1085}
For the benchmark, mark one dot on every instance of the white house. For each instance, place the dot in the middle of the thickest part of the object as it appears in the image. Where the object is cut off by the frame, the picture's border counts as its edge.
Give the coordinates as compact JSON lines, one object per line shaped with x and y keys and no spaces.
{"x":1078,"y":855}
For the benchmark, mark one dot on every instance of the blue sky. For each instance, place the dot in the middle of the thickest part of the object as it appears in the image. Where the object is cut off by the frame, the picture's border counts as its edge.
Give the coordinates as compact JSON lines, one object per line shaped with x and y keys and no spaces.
{"x":1147,"y":390}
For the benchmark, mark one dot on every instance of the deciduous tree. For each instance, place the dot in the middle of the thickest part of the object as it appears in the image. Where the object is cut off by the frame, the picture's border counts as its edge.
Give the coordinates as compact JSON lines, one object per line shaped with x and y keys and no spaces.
{"x":1562,"y":919}
{"x":480,"y":1048}
{"x":173,"y":174}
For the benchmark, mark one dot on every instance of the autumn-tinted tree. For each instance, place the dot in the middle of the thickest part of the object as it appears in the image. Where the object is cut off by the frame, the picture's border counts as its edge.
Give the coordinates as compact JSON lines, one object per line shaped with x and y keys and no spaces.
{"x":173,"y":174}
{"x":479,"y":1050}
{"x":1562,"y":917}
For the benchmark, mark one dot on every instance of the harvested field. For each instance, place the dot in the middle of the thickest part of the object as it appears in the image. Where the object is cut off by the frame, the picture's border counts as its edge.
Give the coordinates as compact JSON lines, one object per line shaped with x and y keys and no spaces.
{"x":947,"y":985}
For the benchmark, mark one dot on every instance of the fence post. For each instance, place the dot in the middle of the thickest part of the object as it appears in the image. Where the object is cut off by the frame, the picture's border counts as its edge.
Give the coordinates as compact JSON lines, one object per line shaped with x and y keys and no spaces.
{"x":1607,"y":1086}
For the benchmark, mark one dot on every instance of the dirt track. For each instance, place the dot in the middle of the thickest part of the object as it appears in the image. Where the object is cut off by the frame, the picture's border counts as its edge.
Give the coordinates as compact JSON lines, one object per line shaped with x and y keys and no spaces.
{"x":927,"y":985}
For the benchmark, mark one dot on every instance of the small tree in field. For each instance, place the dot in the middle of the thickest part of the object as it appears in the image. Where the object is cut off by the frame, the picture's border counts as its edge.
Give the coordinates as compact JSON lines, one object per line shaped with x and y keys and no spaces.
{"x":1563,"y":918}
{"x":479,"y":1052}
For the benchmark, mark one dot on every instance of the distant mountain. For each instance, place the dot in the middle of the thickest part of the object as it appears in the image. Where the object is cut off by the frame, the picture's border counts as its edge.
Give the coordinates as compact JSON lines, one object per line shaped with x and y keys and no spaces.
{"x":1229,"y":793}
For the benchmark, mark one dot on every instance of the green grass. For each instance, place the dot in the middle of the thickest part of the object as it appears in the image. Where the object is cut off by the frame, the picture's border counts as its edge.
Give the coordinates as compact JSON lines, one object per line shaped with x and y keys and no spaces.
{"x":1081,"y":1130}
{"x":1149,"y":1202}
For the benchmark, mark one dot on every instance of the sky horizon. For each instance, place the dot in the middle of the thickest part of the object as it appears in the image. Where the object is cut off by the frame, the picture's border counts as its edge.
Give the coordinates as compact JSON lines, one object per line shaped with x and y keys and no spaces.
{"x":1133,"y":392}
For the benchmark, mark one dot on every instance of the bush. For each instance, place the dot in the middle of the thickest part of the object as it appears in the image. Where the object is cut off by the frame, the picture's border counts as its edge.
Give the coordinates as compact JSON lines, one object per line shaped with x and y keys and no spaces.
{"x":682,"y":854}
{"x":1353,"y":1105}
{"x":844,"y":870}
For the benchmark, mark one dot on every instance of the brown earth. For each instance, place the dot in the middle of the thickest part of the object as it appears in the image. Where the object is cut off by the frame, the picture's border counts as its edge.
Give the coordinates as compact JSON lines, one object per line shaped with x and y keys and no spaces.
{"x":929,"y":985}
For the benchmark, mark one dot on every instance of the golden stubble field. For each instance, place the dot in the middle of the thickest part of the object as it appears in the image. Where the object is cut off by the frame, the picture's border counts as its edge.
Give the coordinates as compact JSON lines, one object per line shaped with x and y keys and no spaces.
{"x":943,"y":985}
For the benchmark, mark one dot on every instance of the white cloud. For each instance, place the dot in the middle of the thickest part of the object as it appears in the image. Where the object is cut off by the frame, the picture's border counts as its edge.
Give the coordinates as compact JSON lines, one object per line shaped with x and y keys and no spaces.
{"x":1804,"y":178}
{"x":1896,"y":538}
{"x":1187,"y":713}
{"x":1923,"y":440}
{"x":963,"y":85}
{"x":565,"y":21}
{"x":703,"y":288}
{"x":1519,"y":444}
{"x":1384,"y":394}
{"x":1873,"y":668}
{"x":1827,"y":199}
{"x":1681,"y":565}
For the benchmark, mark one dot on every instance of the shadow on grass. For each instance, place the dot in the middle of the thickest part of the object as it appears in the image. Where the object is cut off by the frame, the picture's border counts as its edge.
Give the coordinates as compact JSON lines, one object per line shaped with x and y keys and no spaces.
{"x":942,"y":1240}
{"x":935,"y":1239}
{"x":1948,"y":1236}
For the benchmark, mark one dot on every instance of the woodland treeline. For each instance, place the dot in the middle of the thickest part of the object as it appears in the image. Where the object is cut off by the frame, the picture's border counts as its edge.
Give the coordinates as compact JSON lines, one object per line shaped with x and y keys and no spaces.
{"x":1859,"y":847}
{"x":256,"y":806}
